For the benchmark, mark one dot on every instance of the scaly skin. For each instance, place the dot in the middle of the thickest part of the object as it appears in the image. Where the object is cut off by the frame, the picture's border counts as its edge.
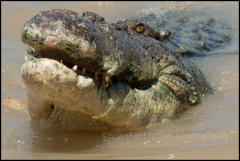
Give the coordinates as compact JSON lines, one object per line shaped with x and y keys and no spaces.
{"x":150,"y":83}
{"x":192,"y":33}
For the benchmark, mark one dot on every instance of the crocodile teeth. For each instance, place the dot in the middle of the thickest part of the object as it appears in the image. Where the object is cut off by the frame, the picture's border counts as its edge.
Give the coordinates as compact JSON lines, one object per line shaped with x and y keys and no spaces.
{"x":163,"y":33}
{"x":74,"y":68}
{"x":25,"y":58}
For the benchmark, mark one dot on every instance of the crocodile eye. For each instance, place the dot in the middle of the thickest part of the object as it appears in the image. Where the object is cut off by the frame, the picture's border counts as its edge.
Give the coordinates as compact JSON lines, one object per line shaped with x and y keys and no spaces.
{"x":139,"y":28}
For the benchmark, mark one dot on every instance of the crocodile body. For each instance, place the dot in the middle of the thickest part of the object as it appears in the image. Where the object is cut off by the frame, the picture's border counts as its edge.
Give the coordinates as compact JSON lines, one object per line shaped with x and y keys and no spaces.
{"x":92,"y":75}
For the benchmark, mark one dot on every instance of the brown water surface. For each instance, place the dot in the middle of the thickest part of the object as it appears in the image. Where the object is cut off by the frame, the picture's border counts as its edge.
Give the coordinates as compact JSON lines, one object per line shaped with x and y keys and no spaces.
{"x":209,"y":130}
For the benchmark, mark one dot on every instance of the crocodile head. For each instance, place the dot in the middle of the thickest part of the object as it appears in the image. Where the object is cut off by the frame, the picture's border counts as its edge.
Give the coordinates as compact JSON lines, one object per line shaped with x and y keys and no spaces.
{"x":90,"y":74}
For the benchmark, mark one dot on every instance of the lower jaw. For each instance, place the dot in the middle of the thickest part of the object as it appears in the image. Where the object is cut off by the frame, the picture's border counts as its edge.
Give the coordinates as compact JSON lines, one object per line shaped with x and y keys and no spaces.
{"x":76,"y":95}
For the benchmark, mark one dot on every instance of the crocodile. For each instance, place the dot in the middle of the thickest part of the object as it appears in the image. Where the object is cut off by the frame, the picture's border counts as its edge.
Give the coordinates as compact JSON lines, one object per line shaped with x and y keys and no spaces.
{"x":88,"y":74}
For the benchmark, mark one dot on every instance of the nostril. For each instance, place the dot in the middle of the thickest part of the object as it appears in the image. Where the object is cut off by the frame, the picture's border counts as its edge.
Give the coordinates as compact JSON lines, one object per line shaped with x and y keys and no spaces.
{"x":51,"y":106}
{"x":49,"y":109}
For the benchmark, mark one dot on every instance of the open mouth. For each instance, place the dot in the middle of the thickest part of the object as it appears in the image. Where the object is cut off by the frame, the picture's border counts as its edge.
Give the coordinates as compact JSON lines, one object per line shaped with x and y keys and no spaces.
{"x":87,"y":67}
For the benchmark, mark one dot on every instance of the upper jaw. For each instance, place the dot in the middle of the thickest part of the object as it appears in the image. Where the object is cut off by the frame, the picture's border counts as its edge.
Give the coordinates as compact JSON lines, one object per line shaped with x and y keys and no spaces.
{"x":72,"y":34}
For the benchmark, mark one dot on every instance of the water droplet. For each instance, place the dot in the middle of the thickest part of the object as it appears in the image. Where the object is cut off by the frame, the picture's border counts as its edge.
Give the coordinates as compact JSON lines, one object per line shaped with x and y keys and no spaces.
{"x":171,"y":156}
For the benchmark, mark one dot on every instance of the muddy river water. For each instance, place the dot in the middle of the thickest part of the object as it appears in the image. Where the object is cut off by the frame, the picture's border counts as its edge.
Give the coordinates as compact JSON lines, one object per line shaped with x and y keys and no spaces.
{"x":209,"y":130}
